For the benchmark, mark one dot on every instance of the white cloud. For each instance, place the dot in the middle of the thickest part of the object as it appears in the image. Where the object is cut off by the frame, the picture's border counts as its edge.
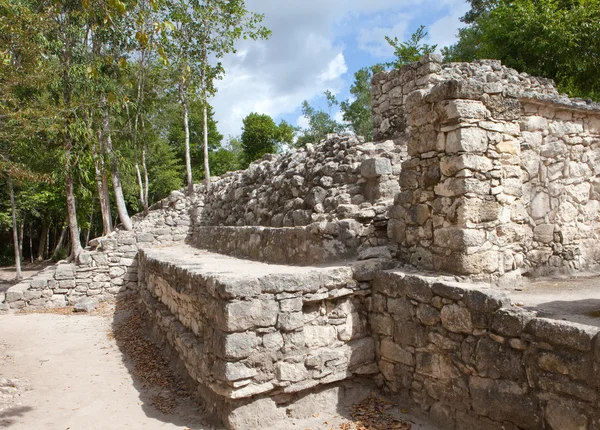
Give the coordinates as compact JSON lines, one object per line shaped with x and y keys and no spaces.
{"x":308,"y":53}
{"x":372,"y":39}
{"x":443,"y":32}
{"x":336,"y":68}
{"x":302,"y":122}
{"x":339,"y":117}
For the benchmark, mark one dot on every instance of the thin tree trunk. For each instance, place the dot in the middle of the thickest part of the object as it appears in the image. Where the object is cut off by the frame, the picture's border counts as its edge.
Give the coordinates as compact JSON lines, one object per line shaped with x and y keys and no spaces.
{"x":87,"y":235}
{"x":22,"y":227}
{"x":30,"y":244}
{"x":72,"y":214}
{"x":43,"y":241}
{"x":70,"y":194}
{"x":101,"y":183}
{"x":47,"y":243}
{"x":186,"y":126}
{"x":61,"y":239}
{"x":116,"y":179}
{"x":205,"y":122}
{"x":13,"y":209}
{"x":145,"y":170}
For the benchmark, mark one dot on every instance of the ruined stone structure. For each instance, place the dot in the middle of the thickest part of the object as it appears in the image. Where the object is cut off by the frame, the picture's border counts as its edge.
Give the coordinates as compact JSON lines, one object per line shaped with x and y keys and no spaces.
{"x":318,"y":274}
{"x":502,"y":177}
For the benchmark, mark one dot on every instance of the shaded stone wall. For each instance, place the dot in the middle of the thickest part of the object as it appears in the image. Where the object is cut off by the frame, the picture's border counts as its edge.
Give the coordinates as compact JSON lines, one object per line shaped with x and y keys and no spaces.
{"x":473,"y":362}
{"x":501,"y":174}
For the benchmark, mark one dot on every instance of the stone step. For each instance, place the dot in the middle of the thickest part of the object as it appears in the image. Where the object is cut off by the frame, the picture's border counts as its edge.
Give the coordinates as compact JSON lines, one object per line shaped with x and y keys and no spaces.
{"x":305,"y":245}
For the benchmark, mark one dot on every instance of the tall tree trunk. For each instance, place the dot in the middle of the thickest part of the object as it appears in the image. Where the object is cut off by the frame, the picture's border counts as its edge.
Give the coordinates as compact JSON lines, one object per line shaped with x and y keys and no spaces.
{"x":22,"y":227}
{"x":102,"y":185}
{"x":13,"y":210}
{"x":116,"y":179}
{"x":72,"y":215}
{"x":61,"y":238}
{"x":87,"y":235}
{"x":205,"y":121}
{"x":30,"y":244}
{"x":145,"y":170}
{"x":186,"y":127}
{"x":70,"y":194}
{"x":43,"y":241}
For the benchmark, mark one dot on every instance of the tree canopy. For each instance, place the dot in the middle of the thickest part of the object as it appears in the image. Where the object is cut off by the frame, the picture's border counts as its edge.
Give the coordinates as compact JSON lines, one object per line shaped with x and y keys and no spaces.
{"x":558,"y":39}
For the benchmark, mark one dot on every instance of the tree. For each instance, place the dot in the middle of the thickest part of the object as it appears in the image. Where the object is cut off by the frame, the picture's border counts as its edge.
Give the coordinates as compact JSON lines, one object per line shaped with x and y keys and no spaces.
{"x":554,"y":39}
{"x":320,"y":123}
{"x":410,"y":51}
{"x":260,"y":136}
{"x":207,"y":29}
{"x":358,"y":111}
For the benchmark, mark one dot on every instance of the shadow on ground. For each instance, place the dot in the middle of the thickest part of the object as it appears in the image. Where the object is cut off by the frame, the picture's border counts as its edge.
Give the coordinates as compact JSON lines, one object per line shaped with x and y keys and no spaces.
{"x":8,"y":416}
{"x":586,"y":311}
{"x":165,"y":394}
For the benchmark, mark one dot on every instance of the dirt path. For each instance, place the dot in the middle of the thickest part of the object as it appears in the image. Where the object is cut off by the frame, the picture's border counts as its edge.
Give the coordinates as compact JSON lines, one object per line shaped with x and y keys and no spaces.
{"x":73,"y":377}
{"x":66,"y":372}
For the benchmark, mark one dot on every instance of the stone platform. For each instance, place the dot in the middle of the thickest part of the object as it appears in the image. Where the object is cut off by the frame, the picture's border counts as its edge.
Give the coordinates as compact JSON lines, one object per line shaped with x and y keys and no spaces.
{"x":262,"y":340}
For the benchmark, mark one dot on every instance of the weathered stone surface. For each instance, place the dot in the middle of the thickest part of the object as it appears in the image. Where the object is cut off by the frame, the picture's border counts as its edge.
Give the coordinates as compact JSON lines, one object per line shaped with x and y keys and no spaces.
{"x":563,"y":333}
{"x":375,"y":167}
{"x":456,"y":319}
{"x":86,"y":304}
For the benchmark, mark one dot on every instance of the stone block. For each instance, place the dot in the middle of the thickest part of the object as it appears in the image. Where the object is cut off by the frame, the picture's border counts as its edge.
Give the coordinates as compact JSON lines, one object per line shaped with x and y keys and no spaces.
{"x":64,"y":271}
{"x":293,"y":372}
{"x":259,"y":413}
{"x":565,"y":414}
{"x":563,"y":333}
{"x":239,"y":345}
{"x":503,"y":400}
{"x":318,"y":336}
{"x":375,"y":167}
{"x":456,"y":319}
{"x":469,"y":139}
{"x":467,"y":109}
{"x":511,"y":322}
{"x":243,"y":315}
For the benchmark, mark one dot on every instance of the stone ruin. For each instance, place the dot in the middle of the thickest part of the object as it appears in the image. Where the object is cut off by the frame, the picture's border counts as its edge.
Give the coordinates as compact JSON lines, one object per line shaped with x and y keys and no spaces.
{"x":316,"y":275}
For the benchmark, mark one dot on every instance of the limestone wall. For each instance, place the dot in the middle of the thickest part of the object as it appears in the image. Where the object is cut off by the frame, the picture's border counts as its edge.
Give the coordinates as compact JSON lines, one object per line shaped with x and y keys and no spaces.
{"x":474,"y":362}
{"x":560,"y":175}
{"x":251,"y":332}
{"x":501,"y":176}
{"x":109,"y":266}
{"x":335,"y":194}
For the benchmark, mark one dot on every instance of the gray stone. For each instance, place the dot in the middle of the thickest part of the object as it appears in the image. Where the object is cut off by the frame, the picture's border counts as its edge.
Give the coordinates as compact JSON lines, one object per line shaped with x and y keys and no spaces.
{"x":87,"y":304}
{"x":375,"y":167}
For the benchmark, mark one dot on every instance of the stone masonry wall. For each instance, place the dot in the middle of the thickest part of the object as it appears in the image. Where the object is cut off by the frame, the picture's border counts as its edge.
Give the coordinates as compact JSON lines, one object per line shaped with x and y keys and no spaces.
{"x":251,"y":332}
{"x":488,"y":190}
{"x":109,"y":267}
{"x":473,"y":362}
{"x":335,"y":195}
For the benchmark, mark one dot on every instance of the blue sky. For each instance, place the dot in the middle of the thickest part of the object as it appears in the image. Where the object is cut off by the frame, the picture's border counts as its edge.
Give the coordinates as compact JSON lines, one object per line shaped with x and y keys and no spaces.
{"x":318,"y":45}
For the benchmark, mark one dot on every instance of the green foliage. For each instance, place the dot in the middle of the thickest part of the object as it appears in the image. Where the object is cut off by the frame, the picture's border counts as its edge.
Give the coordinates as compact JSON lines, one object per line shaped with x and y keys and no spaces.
{"x":410,"y":51}
{"x":320,"y":123}
{"x":557,"y":39}
{"x":176,"y":134}
{"x":358,"y":111}
{"x":260,"y":136}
